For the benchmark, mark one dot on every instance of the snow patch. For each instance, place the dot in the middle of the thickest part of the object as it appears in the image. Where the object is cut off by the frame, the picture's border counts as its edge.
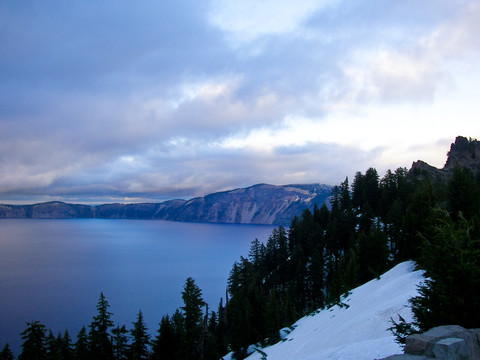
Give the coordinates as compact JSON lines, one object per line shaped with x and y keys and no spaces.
{"x":355,"y":332}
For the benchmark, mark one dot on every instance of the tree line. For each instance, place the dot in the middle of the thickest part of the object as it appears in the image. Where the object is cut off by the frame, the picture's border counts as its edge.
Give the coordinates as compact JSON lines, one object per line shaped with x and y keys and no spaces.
{"x":369,"y":226}
{"x":190,"y":333}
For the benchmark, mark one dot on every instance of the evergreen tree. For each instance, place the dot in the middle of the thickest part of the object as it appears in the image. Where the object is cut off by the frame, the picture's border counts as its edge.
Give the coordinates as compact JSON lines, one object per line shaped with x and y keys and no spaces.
{"x":373,"y":254}
{"x":166,"y":344}
{"x":245,"y":308}
{"x":316,"y":276}
{"x":66,"y":346}
{"x":272,"y":318}
{"x":140,"y":339}
{"x":6,"y":353}
{"x":81,"y":346}
{"x":99,"y":337}
{"x":463,"y":193}
{"x":192,"y":309}
{"x":120,"y":342}
{"x":210,"y":346}
{"x":451,"y":258}
{"x":221,"y":332}
{"x":417,"y":220}
{"x":53,"y":347}
{"x":33,"y":346}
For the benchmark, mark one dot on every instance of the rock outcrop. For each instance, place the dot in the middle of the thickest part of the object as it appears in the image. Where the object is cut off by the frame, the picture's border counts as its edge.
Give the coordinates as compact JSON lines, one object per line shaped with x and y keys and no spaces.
{"x":463,"y":152}
{"x":450,"y":342}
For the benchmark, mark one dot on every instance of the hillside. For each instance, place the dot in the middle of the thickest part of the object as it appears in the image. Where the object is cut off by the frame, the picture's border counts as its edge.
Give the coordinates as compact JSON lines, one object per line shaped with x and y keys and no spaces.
{"x":257,"y":204}
{"x":358,"y":329}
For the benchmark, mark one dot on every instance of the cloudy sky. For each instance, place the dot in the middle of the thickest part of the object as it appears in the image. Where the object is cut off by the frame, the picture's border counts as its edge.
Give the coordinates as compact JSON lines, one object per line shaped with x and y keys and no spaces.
{"x":129,"y":101}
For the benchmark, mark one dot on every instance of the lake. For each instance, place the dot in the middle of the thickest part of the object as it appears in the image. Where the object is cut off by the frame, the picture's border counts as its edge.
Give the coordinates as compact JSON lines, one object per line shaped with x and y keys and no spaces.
{"x":54,"y":270}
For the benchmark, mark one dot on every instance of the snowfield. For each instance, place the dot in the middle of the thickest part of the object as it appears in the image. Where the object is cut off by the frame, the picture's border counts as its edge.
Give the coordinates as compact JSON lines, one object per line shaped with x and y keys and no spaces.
{"x":358,"y":329}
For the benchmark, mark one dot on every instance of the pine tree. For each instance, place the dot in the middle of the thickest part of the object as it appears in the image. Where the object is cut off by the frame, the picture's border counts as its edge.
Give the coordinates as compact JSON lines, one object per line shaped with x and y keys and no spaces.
{"x":120,"y":342}
{"x":33,"y":346}
{"x":81,"y":346}
{"x":6,"y":353}
{"x":53,"y":346}
{"x":221,"y":333}
{"x":99,"y":337}
{"x":140,"y":339}
{"x":463,"y":193}
{"x":211,"y":346}
{"x":166,"y":343}
{"x":192,"y":309}
{"x":272,"y":318}
{"x":66,"y":346}
{"x":451,"y":258}
{"x":316,"y":277}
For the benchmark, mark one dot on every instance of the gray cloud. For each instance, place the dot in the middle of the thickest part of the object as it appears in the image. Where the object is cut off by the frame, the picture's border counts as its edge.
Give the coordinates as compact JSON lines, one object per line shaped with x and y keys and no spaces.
{"x":135,"y":100}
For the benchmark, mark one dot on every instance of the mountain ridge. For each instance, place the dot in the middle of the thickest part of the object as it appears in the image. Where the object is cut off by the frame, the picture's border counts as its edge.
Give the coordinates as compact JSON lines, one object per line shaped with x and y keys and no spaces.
{"x":256,"y":204}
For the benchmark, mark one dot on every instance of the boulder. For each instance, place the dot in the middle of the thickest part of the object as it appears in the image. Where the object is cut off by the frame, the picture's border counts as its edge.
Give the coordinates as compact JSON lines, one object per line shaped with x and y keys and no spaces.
{"x":449,"y":342}
{"x":451,"y":349}
{"x":422,"y":344}
{"x":406,"y":357}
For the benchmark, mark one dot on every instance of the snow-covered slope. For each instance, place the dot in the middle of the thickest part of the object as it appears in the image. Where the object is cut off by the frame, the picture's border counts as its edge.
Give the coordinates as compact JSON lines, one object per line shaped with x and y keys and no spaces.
{"x":356,"y":331}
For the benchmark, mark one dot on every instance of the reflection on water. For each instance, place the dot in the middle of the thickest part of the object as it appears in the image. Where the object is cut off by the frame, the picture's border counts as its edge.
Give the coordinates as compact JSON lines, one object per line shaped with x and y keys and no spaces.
{"x":54,"y":270}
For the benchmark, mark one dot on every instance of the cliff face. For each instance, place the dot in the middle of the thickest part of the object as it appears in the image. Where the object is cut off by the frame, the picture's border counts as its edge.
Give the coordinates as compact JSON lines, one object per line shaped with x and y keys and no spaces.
{"x":463,"y":152}
{"x":258,"y":204}
{"x":48,"y":210}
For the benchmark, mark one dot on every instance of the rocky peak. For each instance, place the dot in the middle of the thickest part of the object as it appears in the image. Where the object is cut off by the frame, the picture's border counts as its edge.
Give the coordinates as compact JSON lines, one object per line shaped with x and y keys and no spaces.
{"x":463,"y":152}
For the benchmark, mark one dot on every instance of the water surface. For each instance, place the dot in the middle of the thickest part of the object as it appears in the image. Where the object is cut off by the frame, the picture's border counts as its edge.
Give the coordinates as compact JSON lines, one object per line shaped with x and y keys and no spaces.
{"x":54,"y":270}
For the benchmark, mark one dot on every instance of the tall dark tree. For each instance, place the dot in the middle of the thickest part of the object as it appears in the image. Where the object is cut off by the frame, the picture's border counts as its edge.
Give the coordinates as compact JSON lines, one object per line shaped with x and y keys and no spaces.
{"x":221,"y":331}
{"x":34,"y":342}
{"x":373,"y":254}
{"x":6,"y":353}
{"x":99,"y":336}
{"x":120,"y":342}
{"x":192,"y":310}
{"x":139,"y":349}
{"x":245,"y":308}
{"x":463,"y":193}
{"x":166,"y":344}
{"x":81,"y":346}
{"x":66,"y":346}
{"x":272,"y":318}
{"x":451,"y":258}
{"x":53,"y":346}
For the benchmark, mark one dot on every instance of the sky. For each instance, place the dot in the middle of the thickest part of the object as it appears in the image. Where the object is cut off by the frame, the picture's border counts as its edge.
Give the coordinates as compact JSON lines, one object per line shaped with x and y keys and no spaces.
{"x":122,"y":101}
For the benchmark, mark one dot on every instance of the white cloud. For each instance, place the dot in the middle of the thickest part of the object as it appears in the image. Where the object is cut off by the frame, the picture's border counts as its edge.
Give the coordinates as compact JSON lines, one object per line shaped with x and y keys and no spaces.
{"x":335,"y":87}
{"x":248,"y":20}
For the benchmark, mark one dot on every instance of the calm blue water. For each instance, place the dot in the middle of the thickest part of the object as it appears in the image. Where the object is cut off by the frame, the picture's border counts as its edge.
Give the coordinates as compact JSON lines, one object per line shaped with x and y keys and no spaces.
{"x":54,"y":270}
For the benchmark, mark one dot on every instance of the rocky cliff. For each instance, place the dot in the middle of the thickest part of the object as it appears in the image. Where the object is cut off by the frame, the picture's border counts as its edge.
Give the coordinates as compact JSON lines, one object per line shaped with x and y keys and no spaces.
{"x":463,"y":152}
{"x":258,"y":204}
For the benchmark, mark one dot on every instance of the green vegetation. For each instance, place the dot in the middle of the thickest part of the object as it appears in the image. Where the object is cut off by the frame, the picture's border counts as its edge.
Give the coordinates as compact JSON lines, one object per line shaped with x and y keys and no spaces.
{"x":371,"y":225}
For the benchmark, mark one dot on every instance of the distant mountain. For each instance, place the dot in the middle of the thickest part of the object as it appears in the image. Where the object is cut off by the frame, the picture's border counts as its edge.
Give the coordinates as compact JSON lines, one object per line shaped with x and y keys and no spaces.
{"x":257,"y":204}
{"x":463,"y":152}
